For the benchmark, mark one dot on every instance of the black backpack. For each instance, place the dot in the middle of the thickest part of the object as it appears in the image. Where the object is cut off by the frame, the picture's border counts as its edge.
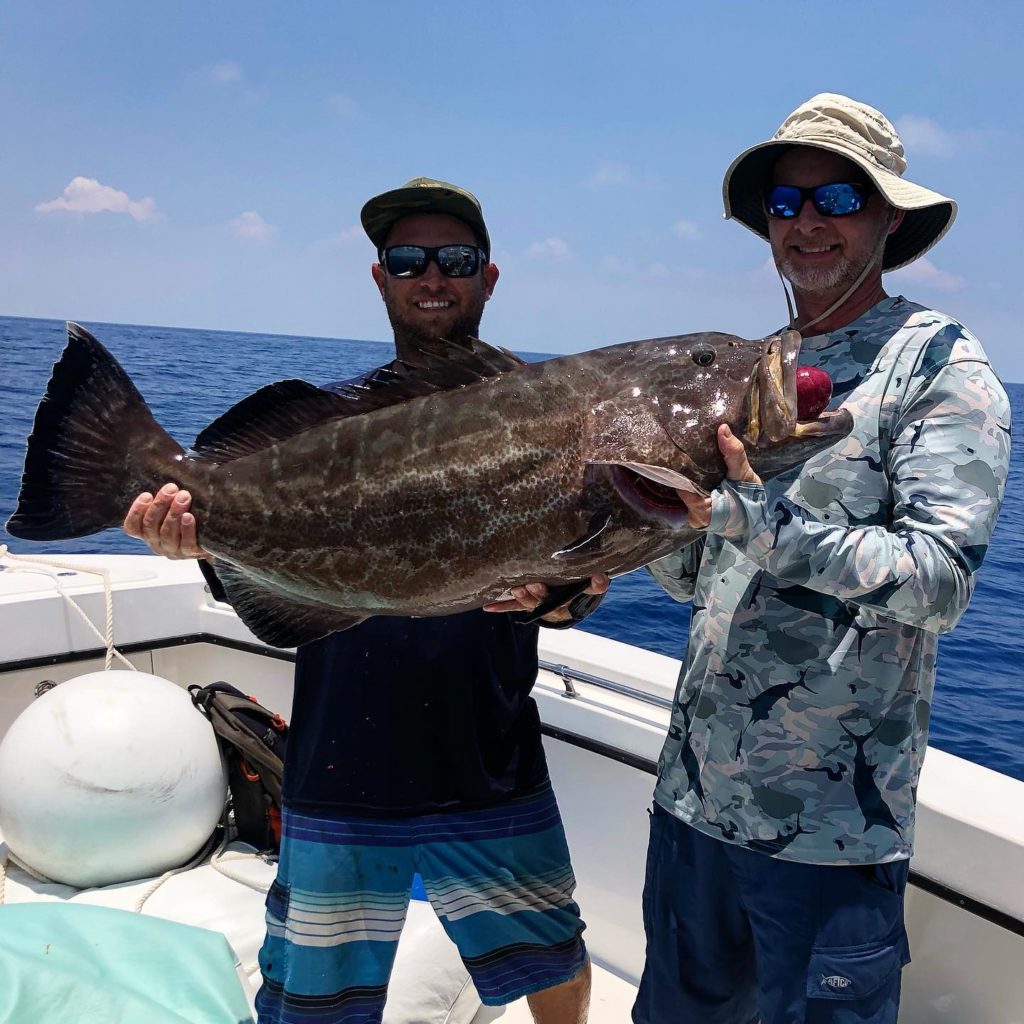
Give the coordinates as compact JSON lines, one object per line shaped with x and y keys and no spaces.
{"x":253,"y":740}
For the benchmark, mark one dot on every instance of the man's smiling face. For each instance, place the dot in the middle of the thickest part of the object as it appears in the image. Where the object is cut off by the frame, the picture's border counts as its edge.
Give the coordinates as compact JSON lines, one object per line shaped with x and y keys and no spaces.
{"x":819,"y":255}
{"x":433,"y":306}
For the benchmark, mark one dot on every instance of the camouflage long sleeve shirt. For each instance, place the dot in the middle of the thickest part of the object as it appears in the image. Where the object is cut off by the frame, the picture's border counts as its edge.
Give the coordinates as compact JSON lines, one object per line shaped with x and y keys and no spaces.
{"x":801,"y":715}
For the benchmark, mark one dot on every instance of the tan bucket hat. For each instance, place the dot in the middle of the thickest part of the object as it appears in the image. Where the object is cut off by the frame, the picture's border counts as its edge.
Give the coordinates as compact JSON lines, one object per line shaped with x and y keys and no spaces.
{"x":423,"y":195}
{"x":863,"y":135}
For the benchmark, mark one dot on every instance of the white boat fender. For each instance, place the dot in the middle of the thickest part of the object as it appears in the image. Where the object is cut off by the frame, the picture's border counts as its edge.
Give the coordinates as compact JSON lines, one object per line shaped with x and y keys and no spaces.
{"x":109,"y":777}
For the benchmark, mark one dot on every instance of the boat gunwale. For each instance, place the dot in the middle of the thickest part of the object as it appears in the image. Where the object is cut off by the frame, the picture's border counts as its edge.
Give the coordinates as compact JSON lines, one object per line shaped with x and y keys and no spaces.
{"x":940,"y":890}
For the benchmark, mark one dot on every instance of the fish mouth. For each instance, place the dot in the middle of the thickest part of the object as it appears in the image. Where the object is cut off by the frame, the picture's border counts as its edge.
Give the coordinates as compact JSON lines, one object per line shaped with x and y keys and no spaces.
{"x":651,"y":489}
{"x":771,"y":402}
{"x":828,"y":424}
{"x":776,"y":439}
{"x":646,"y":491}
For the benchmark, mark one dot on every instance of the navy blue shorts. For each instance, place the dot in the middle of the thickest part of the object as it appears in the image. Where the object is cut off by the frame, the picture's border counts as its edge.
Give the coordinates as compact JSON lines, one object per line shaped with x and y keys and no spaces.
{"x":735,"y":936}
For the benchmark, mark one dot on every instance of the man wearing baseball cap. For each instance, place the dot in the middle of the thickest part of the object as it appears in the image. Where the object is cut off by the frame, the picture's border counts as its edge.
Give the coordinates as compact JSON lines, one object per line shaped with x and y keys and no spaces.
{"x":415,"y":746}
{"x":784,"y":808}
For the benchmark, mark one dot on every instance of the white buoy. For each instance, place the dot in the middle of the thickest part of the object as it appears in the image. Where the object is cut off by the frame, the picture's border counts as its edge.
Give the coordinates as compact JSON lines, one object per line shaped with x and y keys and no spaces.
{"x":109,"y":777}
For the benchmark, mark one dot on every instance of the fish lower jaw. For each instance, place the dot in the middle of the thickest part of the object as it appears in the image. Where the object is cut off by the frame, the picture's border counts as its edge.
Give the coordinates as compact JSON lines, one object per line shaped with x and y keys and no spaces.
{"x":838,"y":422}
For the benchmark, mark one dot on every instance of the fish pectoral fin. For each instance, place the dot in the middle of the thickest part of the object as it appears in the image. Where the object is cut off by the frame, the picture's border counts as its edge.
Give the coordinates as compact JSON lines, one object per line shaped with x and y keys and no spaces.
{"x":589,"y":544}
{"x":557,"y":596}
{"x":277,"y":617}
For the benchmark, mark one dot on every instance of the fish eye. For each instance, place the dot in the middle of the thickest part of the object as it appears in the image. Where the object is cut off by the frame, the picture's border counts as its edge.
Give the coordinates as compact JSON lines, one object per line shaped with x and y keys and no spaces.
{"x":704,"y":357}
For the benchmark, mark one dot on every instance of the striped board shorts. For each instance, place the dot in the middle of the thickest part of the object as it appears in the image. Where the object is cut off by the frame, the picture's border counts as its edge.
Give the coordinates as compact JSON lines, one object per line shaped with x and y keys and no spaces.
{"x":498,"y":878}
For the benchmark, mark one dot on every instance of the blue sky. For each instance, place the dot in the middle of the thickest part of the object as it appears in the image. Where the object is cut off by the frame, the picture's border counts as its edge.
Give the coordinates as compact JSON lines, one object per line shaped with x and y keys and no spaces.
{"x":227,"y":148}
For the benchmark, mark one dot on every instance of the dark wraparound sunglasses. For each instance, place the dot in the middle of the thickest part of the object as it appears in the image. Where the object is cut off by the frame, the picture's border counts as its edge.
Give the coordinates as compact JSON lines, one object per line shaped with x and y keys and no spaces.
{"x":838,"y":199}
{"x":452,"y":260}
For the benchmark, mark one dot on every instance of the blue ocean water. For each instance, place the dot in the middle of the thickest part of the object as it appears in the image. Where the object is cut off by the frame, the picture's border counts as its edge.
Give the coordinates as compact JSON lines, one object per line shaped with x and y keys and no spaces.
{"x":189,"y":377}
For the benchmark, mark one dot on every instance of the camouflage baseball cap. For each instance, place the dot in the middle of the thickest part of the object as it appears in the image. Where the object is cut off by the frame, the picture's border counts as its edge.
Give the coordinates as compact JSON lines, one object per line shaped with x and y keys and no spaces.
{"x":862,"y":135}
{"x":423,"y":195}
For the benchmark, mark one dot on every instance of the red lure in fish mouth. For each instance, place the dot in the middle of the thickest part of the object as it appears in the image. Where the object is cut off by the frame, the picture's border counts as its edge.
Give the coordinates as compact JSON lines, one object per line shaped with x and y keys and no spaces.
{"x":813,"y":392}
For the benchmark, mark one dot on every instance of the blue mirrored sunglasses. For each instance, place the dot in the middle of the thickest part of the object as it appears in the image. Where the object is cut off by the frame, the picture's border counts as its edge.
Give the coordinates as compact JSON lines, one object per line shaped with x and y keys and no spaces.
{"x":837,"y":199}
{"x":452,"y":260}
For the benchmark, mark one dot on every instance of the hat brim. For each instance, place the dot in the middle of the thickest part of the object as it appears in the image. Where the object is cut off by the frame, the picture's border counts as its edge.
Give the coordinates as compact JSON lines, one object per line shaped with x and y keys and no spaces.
{"x":382,"y":212}
{"x":927,"y":214}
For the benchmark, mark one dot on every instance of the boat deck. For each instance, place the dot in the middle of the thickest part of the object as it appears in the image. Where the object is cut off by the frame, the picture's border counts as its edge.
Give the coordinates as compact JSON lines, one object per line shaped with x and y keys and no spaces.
{"x":604,"y":708}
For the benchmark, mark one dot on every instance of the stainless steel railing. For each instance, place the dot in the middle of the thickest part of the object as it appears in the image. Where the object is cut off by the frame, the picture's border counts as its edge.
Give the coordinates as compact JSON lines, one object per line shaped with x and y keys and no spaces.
{"x":569,"y":675}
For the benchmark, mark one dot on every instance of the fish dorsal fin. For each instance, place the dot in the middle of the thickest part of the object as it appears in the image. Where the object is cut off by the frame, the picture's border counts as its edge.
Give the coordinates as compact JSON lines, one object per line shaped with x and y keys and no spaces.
{"x":475,"y":355}
{"x":282,"y":410}
{"x":274,"y":413}
{"x":427,"y":368}
{"x":437,"y":366}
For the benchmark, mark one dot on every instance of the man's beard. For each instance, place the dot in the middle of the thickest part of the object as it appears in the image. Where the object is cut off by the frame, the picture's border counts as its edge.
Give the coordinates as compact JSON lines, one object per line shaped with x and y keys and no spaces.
{"x":456,"y":332}
{"x":842,"y":274}
{"x":821,"y":279}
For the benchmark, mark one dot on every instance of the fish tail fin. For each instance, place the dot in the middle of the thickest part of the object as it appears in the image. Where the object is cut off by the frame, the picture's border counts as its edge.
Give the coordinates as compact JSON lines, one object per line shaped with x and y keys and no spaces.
{"x":94,"y":446}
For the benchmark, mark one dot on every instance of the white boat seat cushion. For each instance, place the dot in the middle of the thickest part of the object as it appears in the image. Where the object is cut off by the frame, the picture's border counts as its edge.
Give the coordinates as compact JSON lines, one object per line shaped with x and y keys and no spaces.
{"x":429,"y":982}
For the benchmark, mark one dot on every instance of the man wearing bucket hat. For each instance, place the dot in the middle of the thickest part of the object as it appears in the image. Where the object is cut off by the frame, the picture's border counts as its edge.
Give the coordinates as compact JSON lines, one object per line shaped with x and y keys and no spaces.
{"x":415,"y":742}
{"x":784,"y":808}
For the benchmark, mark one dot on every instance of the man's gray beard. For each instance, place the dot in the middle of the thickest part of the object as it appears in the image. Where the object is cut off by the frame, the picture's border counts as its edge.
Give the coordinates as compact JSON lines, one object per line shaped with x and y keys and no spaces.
{"x":813,"y":280}
{"x":821,"y":279}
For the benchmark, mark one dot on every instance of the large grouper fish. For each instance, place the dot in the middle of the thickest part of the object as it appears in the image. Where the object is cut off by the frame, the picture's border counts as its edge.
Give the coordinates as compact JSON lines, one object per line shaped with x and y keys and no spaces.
{"x":433,"y":488}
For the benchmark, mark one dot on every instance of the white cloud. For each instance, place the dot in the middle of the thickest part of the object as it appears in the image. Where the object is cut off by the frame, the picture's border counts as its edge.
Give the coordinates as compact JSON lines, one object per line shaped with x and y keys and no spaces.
{"x":251,"y":227}
{"x":351,"y":232}
{"x":686,"y":229}
{"x":924,"y":274}
{"x":554,"y":248}
{"x":609,"y":175}
{"x":618,"y":265}
{"x":342,"y":239}
{"x":678,"y":276}
{"x":342,"y":104}
{"x":226,"y":72}
{"x":87,"y":195}
{"x":923,"y":137}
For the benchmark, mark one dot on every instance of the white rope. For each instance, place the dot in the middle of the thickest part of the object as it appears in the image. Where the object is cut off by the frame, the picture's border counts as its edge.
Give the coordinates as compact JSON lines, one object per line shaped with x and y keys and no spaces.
{"x":6,"y":857}
{"x":45,"y":566}
{"x":194,"y":862}
{"x":217,"y":863}
{"x":216,"y":860}
{"x":221,"y":854}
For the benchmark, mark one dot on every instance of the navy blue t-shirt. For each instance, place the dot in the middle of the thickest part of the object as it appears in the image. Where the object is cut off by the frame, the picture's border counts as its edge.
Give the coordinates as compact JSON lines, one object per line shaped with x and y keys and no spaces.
{"x":400,"y":716}
{"x":405,"y":716}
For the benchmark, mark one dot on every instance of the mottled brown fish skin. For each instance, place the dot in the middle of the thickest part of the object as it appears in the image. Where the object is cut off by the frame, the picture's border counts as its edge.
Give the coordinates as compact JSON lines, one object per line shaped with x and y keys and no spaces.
{"x":441,"y":503}
{"x":425,"y":505}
